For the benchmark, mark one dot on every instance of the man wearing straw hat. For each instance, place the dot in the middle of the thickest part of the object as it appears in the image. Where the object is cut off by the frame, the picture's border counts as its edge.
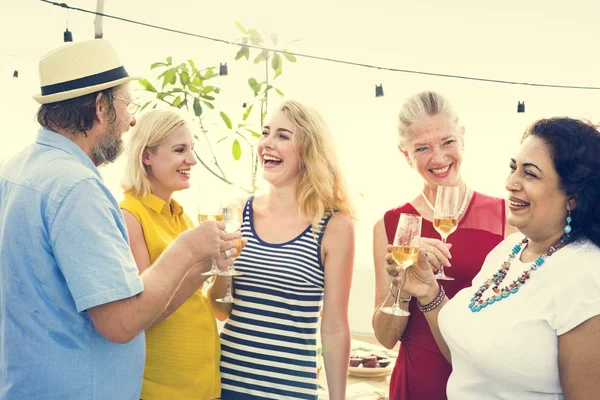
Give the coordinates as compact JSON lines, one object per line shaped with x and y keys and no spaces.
{"x":72,"y":305}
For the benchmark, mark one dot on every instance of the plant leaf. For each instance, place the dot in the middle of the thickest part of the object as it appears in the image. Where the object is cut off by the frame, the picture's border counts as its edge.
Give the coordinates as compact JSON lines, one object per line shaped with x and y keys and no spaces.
{"x":255,"y":37}
{"x":197,"y":81}
{"x":275,"y":61}
{"x":157,"y":64}
{"x":253,"y":85}
{"x":247,"y":112}
{"x":184,"y":77}
{"x":177,"y":102}
{"x":262,"y":56}
{"x":236,"y":150}
{"x":279,"y":92}
{"x":147,"y":85}
{"x":290,"y":57}
{"x":276,"y":64}
{"x":254,"y":133}
{"x":273,"y":37}
{"x":170,"y":76}
{"x":197,"y":107}
{"x":169,"y":60}
{"x":209,"y":104}
{"x":223,"y":138}
{"x":145,"y":105}
{"x":243,"y":52}
{"x":226,"y":119}
{"x":241,"y":27}
{"x":209,"y":73}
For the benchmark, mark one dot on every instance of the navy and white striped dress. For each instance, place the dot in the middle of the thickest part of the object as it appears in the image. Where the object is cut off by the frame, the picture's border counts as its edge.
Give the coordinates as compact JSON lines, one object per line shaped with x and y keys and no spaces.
{"x":268,"y":345}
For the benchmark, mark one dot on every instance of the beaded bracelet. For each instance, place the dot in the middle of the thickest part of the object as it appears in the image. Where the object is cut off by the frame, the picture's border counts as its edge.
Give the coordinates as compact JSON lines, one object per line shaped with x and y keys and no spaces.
{"x":400,"y":299}
{"x":435,"y":303}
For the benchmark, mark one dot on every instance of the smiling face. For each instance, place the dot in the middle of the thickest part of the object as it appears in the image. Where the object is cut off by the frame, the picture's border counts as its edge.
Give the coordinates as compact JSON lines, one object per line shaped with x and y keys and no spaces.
{"x":435,"y":150}
{"x":538,"y":206}
{"x":278,"y":151}
{"x":169,"y":164}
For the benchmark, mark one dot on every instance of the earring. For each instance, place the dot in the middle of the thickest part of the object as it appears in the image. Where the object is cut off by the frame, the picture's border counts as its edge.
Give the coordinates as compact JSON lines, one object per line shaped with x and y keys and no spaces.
{"x":568,"y":227}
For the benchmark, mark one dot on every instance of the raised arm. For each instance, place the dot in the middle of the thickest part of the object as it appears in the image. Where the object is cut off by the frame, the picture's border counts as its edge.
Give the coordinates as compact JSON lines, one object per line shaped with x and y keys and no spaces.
{"x":388,"y":328}
{"x":120,"y":321}
{"x":338,"y":248}
{"x":419,"y":282}
{"x":191,"y":283}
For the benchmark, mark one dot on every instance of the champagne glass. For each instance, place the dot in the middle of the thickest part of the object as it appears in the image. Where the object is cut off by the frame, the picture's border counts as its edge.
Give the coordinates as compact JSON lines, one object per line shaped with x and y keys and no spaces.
{"x":210,"y":208}
{"x":232,"y":217}
{"x":405,"y":251}
{"x":445,"y":218}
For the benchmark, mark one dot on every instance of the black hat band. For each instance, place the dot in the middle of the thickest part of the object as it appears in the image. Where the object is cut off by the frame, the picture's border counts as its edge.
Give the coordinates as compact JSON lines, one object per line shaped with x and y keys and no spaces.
{"x":92,"y":80}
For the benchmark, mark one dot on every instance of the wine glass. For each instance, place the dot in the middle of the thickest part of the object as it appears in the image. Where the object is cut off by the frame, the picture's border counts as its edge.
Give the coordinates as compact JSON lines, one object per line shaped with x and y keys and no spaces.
{"x":405,"y":251}
{"x":232,"y":217}
{"x":210,"y":208}
{"x":445,"y":218}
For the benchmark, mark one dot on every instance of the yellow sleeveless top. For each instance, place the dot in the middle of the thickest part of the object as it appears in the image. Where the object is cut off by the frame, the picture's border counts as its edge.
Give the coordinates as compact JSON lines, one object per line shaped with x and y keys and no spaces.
{"x":182,"y":351}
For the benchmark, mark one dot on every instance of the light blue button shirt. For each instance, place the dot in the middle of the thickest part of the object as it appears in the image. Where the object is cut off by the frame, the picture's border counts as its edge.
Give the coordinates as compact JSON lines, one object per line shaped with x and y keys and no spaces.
{"x":63,"y":249}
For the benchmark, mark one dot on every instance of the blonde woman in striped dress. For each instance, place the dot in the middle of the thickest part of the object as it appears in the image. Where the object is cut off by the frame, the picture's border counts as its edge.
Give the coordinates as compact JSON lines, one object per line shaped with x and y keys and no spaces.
{"x":297,"y":263}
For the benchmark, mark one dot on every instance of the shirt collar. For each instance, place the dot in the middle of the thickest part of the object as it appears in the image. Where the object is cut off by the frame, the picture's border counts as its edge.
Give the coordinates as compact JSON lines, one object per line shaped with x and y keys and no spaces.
{"x":52,"y":139}
{"x":160,"y":206}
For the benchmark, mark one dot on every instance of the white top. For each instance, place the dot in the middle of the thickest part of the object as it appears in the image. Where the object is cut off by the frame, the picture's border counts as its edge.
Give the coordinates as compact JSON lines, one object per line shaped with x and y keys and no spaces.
{"x":509,"y":350}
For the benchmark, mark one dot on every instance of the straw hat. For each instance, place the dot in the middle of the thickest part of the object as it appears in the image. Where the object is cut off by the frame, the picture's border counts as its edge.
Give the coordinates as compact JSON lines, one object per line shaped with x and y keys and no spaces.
{"x":79,"y":68}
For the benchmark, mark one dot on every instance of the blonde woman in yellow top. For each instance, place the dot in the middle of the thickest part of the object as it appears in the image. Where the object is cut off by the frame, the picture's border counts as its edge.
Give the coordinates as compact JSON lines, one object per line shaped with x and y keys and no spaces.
{"x":182,"y":345}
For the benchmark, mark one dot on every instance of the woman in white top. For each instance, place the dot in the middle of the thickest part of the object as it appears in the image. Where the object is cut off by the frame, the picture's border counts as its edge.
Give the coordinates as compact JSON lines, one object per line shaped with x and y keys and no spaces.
{"x":528,"y":326}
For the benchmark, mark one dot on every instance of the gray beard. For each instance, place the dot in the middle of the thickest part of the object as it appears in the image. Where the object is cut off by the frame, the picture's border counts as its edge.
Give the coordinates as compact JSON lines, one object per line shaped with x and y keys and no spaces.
{"x":108,"y":149}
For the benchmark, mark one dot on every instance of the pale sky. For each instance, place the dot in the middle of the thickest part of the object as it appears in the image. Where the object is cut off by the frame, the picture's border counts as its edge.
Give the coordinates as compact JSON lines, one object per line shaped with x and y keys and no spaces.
{"x":527,"y":41}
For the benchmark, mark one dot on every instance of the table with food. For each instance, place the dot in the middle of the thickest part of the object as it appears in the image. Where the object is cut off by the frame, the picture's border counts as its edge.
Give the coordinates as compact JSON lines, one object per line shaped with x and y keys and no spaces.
{"x":369,"y":372}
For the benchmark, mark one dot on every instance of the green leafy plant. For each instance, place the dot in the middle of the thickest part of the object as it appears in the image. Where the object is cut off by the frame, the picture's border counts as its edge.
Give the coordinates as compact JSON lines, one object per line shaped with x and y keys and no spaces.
{"x":186,"y":86}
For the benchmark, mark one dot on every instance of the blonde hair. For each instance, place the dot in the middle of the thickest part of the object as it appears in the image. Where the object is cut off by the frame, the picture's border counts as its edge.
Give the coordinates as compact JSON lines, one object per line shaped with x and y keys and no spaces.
{"x":321,"y":189}
{"x":149,"y":132}
{"x":422,"y":104}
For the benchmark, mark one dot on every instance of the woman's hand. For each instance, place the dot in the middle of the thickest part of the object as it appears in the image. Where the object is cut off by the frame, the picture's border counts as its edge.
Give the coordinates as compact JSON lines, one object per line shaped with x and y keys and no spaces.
{"x":417,"y":280}
{"x":438,"y":253}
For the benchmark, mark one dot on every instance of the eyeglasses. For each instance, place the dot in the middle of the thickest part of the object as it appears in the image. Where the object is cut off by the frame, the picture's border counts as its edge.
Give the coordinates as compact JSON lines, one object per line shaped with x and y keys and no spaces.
{"x":132,"y":107}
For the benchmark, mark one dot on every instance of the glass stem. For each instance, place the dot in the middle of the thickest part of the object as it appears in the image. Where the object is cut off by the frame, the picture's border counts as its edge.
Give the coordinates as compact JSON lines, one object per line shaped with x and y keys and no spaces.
{"x":229,"y":278}
{"x":396,"y":300}
{"x":441,"y":270}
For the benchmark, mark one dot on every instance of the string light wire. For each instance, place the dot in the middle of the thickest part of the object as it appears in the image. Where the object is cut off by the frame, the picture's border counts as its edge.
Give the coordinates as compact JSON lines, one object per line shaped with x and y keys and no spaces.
{"x":327,"y":59}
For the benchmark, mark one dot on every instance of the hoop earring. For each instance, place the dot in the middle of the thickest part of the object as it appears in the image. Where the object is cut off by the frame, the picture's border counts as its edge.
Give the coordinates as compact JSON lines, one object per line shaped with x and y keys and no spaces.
{"x":568,"y":228}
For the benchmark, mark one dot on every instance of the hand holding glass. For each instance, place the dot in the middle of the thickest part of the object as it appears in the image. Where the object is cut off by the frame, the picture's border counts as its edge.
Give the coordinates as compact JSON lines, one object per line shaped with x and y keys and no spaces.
{"x":232,"y":217}
{"x":405,"y":252}
{"x":445,"y":218}
{"x":210,"y":208}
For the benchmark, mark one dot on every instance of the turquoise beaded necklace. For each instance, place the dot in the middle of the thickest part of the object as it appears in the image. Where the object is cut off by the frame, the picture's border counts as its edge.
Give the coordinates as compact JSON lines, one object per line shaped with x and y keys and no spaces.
{"x":478,"y":303}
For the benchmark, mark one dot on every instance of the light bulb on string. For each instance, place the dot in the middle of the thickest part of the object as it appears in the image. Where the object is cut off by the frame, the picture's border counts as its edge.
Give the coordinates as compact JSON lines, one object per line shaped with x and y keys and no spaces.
{"x":222,"y":69}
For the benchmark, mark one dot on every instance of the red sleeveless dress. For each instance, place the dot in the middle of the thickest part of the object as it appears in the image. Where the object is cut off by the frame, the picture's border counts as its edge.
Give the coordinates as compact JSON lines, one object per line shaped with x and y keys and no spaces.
{"x":421,"y":371}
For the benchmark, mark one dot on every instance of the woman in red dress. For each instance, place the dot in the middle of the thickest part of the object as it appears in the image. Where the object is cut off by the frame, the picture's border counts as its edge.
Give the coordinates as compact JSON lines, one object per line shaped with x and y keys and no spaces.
{"x":432,"y":141}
